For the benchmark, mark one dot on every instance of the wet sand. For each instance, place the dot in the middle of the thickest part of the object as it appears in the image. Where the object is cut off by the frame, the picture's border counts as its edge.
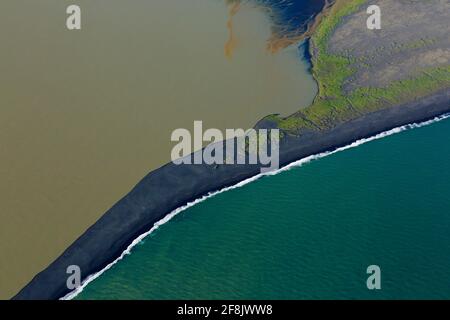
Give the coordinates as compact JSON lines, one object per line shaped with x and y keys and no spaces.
{"x":84,"y":115}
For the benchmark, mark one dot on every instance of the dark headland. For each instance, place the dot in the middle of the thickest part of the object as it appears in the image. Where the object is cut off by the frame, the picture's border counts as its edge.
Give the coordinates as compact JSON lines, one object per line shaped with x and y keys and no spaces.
{"x":346,"y":109}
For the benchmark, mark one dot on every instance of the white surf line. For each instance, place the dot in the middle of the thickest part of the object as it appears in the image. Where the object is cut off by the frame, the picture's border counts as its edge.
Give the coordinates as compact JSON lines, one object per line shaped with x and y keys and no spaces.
{"x":288,"y":167}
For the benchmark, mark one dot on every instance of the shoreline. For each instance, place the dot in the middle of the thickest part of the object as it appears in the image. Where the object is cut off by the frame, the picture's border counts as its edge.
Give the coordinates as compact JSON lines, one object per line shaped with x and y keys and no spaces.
{"x":288,"y":167}
{"x":70,"y":154}
{"x":290,"y":38}
{"x":172,"y":187}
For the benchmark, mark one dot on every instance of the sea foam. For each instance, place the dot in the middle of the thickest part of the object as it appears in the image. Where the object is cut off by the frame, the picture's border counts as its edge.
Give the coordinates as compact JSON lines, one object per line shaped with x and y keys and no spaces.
{"x":288,"y":167}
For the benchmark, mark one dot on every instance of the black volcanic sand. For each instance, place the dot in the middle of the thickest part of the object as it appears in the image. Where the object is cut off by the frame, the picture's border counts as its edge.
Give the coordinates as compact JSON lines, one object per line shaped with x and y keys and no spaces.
{"x":84,"y":115}
{"x":171,"y":187}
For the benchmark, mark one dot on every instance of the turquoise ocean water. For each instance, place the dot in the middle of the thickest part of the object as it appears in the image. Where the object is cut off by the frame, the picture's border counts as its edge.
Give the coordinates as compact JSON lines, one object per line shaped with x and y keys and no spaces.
{"x":309,"y":232}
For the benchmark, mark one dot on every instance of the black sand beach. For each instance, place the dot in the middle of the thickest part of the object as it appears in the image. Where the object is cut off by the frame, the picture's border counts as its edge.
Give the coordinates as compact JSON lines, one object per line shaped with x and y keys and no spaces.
{"x":171,"y":187}
{"x":87,"y":114}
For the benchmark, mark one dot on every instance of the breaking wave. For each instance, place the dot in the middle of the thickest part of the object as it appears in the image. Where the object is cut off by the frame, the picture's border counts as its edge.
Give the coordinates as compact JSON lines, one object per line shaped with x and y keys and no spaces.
{"x":288,"y":167}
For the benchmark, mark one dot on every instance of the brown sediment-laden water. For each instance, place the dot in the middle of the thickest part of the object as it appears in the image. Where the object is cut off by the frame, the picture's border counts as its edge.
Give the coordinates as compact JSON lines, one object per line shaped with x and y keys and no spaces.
{"x":85,"y":114}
